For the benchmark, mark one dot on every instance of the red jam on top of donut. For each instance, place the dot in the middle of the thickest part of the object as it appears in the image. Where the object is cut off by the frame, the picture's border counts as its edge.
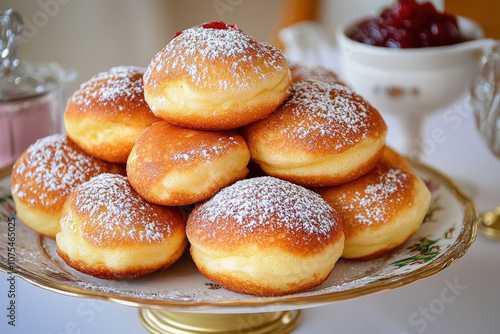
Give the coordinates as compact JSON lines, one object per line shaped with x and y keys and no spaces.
{"x":219,"y":25}
{"x":214,"y":25}
{"x":409,"y":24}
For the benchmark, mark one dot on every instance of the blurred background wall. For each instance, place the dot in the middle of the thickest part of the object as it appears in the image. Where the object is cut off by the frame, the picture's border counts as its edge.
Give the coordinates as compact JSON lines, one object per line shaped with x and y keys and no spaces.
{"x":90,"y":36}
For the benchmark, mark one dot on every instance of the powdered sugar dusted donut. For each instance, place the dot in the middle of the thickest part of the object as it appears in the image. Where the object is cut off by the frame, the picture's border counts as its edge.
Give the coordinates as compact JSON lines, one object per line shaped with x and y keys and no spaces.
{"x":381,"y":209}
{"x":265,"y":236}
{"x":324,"y":134}
{"x":216,"y":77}
{"x":107,"y":113}
{"x":45,"y":174}
{"x":109,"y":231}
{"x":305,"y":71}
{"x":171,"y":165}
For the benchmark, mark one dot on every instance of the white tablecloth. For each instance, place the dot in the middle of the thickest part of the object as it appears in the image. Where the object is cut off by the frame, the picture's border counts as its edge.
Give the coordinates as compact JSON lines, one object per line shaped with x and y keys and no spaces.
{"x":464,"y":298}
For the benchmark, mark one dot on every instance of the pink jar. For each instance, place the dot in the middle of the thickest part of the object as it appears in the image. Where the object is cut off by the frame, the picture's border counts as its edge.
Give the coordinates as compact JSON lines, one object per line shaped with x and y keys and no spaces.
{"x":31,"y":95}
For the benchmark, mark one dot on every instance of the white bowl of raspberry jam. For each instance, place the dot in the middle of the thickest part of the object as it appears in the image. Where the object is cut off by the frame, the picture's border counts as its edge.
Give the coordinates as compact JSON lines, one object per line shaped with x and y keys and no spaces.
{"x":413,"y":80}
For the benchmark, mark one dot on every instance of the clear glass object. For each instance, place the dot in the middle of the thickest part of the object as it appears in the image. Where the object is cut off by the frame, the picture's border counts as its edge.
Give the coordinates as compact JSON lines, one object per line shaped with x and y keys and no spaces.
{"x":31,"y":95}
{"x":485,"y":98}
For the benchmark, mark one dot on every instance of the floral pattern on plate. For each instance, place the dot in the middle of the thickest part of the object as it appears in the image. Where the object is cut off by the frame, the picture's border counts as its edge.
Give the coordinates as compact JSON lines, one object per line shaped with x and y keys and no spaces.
{"x":448,"y":230}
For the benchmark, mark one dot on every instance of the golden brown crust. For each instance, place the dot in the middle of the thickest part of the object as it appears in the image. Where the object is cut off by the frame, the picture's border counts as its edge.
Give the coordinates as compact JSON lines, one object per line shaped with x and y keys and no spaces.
{"x":265,"y":236}
{"x":381,"y":209}
{"x":322,"y":131}
{"x":394,"y":158}
{"x":46,"y":173}
{"x":265,"y":212}
{"x":109,"y":231}
{"x":303,"y":71}
{"x":396,"y":193}
{"x":170,"y":165}
{"x":318,"y":119}
{"x":108,"y":202}
{"x":108,"y":112}
{"x":216,"y":79}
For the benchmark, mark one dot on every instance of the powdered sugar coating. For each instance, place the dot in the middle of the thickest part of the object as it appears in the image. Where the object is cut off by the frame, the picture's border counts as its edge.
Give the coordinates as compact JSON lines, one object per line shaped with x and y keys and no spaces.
{"x":327,"y":116}
{"x":170,"y":147}
{"x":50,"y":169}
{"x":225,"y":59}
{"x":113,"y":89}
{"x":263,"y":206}
{"x":385,"y":190}
{"x":109,"y":211}
{"x":206,"y":149}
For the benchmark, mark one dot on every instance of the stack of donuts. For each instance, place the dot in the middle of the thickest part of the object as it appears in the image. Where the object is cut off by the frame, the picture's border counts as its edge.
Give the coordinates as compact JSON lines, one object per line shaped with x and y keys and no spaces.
{"x":283,"y":167}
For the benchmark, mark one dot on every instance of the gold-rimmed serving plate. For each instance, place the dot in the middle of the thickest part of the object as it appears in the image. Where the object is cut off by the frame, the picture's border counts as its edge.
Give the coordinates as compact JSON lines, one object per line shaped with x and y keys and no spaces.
{"x":168,"y":300}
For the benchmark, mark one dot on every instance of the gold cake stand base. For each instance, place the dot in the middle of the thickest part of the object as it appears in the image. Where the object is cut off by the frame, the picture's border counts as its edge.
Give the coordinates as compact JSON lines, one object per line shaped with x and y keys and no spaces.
{"x":161,"y":322}
{"x":490,"y":223}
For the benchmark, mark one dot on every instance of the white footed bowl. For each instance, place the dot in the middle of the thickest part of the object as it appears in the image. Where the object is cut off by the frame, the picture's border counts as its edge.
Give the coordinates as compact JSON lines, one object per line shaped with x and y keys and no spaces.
{"x":418,"y":80}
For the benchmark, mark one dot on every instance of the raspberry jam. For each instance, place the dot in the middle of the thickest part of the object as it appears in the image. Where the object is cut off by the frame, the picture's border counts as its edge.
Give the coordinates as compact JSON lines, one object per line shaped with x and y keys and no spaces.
{"x":213,"y":25}
{"x":219,"y":25}
{"x":409,"y":24}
